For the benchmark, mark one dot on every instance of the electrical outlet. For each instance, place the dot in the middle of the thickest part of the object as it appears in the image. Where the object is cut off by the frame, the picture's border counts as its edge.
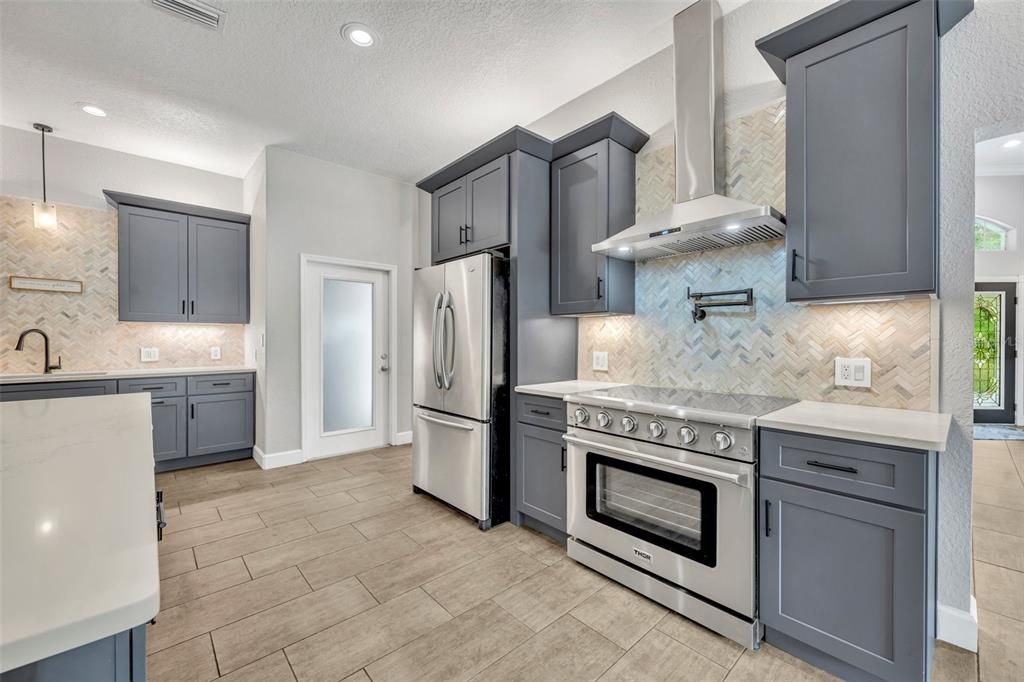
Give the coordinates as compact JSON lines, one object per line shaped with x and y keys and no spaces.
{"x":150,"y":354}
{"x":215,"y":352}
{"x":600,"y":361}
{"x":854,"y":372}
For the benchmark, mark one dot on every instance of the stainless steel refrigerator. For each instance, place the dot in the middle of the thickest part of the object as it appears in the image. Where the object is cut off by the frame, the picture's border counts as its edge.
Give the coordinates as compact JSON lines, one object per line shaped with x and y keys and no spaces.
{"x":460,"y":385}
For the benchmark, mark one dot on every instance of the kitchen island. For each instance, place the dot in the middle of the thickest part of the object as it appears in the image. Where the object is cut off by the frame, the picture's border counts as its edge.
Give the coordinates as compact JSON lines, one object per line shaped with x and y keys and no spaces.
{"x":78,"y":551}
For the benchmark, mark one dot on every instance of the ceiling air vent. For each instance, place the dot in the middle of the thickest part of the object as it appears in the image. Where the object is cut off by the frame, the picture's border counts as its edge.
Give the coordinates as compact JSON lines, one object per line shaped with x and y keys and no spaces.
{"x":194,"y":10}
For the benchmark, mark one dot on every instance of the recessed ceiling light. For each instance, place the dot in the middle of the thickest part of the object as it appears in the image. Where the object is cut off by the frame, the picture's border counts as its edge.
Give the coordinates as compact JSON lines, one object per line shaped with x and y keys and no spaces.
{"x":91,"y":109}
{"x":359,"y":34}
{"x":1010,"y":144}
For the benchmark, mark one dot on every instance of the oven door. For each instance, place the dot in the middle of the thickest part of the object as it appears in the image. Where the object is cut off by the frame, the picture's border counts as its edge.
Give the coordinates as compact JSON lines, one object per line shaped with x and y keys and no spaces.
{"x":686,"y":517}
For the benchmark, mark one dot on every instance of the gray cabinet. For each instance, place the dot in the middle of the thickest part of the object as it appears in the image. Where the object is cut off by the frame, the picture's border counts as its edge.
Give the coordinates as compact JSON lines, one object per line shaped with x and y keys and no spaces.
{"x":56,"y":389}
{"x":170,"y":428}
{"x":862,"y":160}
{"x":218,"y":270}
{"x":220,"y":423}
{"x":592,"y":198}
{"x":118,"y":658}
{"x":540,"y":475}
{"x":471,"y":213}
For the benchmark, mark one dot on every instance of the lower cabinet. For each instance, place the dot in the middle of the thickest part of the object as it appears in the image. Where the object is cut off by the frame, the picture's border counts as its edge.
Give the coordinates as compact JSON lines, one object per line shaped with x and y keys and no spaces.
{"x":170,"y":428}
{"x":540,"y":474}
{"x":56,"y":389}
{"x":118,"y":658}
{"x":219,"y":423}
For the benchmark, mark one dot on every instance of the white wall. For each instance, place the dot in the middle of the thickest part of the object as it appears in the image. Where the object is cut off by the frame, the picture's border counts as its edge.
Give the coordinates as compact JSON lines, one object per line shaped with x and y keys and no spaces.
{"x":318,"y":207}
{"x":254,"y":202}
{"x":78,"y":173}
{"x":982,"y":67}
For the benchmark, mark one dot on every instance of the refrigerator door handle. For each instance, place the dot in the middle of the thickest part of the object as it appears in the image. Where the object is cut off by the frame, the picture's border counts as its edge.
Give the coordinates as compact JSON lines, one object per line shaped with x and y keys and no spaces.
{"x":447,"y":371}
{"x":442,"y":422}
{"x":434,"y":345}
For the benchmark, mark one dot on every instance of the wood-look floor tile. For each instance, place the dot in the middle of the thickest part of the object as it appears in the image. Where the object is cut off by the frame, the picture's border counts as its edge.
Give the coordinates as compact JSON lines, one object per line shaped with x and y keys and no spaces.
{"x":386,"y":487}
{"x":953,"y":664}
{"x":1000,"y":647}
{"x":254,"y":637}
{"x":620,"y":614}
{"x":1000,"y":590}
{"x":395,"y":452}
{"x":400,"y":575}
{"x":540,"y":547}
{"x":403,"y":517}
{"x":389,"y":467}
{"x":295,"y":552}
{"x":357,"y":676}
{"x":465,"y":587}
{"x":266,"y":476}
{"x":659,"y":657}
{"x":455,"y":650}
{"x":240,"y":496}
{"x":298,"y":510}
{"x":545,"y":596}
{"x":190,"y":661}
{"x":566,"y":650}
{"x":354,"y":643}
{"x":347,"y":483}
{"x":769,"y":664}
{"x":1017,"y":455}
{"x":192,"y":519}
{"x":195,"y":584}
{"x":176,"y":563}
{"x":180,"y":623}
{"x":998,"y":548}
{"x":1009,"y":521}
{"x":208,"y":533}
{"x":998,"y":477}
{"x":197,"y":489}
{"x":245,"y":543}
{"x":443,"y":530}
{"x":354,"y":512}
{"x":999,"y":497}
{"x":273,"y":668}
{"x":345,"y":563}
{"x":262,"y":503}
{"x":710,"y":644}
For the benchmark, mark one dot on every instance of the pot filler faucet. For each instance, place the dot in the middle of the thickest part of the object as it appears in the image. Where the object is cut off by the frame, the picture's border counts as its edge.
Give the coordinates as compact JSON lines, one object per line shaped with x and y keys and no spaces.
{"x":47,"y":367}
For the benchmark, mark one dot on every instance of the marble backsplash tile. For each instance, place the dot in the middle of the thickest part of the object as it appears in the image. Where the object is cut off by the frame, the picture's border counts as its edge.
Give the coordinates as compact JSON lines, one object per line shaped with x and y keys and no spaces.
{"x":773,"y":348}
{"x":83,"y":328}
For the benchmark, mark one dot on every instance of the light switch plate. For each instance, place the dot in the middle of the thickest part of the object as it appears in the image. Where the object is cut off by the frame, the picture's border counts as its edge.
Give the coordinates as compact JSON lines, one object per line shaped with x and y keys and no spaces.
{"x":215,"y":352}
{"x":855,"y":372}
{"x":600,"y":361}
{"x":150,"y":354}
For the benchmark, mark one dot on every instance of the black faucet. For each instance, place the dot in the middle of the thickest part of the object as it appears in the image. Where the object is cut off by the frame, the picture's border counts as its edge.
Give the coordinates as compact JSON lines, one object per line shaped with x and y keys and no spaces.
{"x":47,"y":367}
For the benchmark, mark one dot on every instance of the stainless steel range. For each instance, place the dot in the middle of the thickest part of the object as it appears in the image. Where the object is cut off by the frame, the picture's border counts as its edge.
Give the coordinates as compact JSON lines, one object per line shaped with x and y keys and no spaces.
{"x":662,"y":498}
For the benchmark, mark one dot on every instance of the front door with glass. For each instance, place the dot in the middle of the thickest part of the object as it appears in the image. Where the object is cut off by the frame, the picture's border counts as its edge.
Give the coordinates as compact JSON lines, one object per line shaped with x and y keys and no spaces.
{"x":995,"y":325}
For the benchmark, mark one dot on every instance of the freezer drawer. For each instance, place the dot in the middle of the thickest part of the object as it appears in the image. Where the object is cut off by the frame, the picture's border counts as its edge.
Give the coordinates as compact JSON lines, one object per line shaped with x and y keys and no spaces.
{"x":450,"y":460}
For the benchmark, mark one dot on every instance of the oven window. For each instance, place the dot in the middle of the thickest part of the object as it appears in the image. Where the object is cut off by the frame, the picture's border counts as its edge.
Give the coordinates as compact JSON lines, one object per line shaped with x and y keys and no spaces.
{"x":669,"y":510}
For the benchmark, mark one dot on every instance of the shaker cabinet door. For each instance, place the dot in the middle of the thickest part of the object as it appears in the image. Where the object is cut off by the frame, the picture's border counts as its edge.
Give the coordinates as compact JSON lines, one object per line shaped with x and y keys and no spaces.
{"x":220,"y":423}
{"x":487,"y":212}
{"x":448,"y":221}
{"x":152,"y":256}
{"x":861,"y":177}
{"x":170,"y":428}
{"x":218,"y":257}
{"x":540,"y":474}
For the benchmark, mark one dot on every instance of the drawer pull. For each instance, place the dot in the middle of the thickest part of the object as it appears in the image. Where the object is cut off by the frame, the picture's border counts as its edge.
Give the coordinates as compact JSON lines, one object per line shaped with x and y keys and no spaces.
{"x":151,"y":388}
{"x":221,"y":383}
{"x":833,"y":467}
{"x":563,"y":458}
{"x":157,"y":402}
{"x":767,"y":518}
{"x":544,"y":413}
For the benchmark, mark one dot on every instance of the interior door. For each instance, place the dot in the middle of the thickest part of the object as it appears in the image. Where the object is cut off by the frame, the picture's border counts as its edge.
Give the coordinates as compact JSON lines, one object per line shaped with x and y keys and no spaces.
{"x":345,"y":363}
{"x":428,"y":290}
{"x":995,"y":352}
{"x":466,"y":337}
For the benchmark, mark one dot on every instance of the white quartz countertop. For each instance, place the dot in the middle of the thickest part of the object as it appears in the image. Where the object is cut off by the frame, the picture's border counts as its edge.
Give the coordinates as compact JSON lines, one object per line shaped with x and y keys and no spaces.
{"x":560,"y":389}
{"x":880,"y":425}
{"x":78,"y":550}
{"x":87,"y":375}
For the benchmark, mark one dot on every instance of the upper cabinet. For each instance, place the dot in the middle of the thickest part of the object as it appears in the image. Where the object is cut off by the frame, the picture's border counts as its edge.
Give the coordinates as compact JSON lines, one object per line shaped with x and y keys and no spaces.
{"x":861,"y":149}
{"x":593,"y":196}
{"x":471,"y":213}
{"x":181,"y":263}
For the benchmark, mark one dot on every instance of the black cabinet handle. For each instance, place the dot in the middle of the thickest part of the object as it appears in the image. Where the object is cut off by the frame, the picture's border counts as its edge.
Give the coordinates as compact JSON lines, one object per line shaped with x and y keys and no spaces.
{"x":221,"y":383}
{"x":767,"y":518}
{"x":157,"y":402}
{"x":151,"y":388}
{"x":192,"y":411}
{"x":160,"y":523}
{"x":600,"y":283}
{"x":182,"y":306}
{"x":544,"y":413}
{"x":833,"y":467}
{"x":193,"y":310}
{"x":469,"y":233}
{"x":462,"y":234}
{"x":563,"y":458}
{"x":792,"y":274}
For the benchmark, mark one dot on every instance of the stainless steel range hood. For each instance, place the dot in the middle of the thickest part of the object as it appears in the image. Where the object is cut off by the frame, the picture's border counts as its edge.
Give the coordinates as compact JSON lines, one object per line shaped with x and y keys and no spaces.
{"x":703,"y":217}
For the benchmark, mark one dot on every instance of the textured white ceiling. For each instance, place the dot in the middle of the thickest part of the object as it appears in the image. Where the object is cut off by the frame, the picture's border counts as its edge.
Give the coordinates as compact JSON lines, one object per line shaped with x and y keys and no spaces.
{"x":992,"y":158}
{"x":446,"y":75}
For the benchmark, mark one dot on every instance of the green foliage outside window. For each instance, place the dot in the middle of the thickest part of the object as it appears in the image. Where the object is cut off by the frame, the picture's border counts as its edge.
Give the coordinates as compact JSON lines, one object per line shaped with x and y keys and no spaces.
{"x":987,"y":346}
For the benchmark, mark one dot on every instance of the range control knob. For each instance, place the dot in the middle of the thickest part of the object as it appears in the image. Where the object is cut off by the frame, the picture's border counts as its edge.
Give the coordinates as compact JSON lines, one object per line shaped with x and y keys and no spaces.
{"x":581,"y":415}
{"x":656,"y":429}
{"x":603,"y":419}
{"x":687,"y":434}
{"x":723,"y":441}
{"x":628,"y":424}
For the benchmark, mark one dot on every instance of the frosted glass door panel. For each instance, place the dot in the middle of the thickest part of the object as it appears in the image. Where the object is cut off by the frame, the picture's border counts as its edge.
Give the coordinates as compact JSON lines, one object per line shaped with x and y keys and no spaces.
{"x":347,"y":348}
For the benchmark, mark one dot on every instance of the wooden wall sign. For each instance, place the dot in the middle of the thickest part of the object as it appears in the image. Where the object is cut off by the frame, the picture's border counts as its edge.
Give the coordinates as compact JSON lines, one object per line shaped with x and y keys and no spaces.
{"x":63,"y":286}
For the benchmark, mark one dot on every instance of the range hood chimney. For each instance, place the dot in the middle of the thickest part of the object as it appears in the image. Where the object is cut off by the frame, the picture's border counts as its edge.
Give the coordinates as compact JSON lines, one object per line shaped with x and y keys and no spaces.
{"x":703,"y":217}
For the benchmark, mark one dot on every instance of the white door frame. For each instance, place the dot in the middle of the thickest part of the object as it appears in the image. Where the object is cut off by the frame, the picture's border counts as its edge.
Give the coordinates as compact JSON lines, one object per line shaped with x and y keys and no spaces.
{"x":305,"y":259}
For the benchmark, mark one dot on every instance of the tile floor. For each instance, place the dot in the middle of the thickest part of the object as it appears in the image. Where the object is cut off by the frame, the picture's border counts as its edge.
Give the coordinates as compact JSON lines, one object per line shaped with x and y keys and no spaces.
{"x":334,"y":570}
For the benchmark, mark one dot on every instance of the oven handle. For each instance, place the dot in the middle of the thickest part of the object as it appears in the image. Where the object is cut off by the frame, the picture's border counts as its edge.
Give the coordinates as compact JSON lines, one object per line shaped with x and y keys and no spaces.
{"x":735,"y":479}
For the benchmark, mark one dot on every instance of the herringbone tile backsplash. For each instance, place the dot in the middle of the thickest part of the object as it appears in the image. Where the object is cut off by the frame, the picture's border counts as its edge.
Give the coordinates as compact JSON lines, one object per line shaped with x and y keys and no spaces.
{"x":84,"y":328}
{"x":773,"y":348}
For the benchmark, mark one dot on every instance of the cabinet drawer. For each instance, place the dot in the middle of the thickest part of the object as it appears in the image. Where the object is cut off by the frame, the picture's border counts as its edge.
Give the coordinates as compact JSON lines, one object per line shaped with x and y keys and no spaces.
{"x":874,"y":472}
{"x":164,"y":387}
{"x":539,"y":411}
{"x":219,"y":383}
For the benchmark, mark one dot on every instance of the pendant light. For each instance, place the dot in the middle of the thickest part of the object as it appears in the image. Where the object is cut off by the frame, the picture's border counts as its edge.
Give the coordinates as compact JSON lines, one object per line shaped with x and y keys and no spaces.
{"x":45,"y":214}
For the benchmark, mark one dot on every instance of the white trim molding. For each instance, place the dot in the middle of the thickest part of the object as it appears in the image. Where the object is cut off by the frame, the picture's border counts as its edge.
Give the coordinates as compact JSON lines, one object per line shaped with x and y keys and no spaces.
{"x":958,"y":627}
{"x":275,"y":460}
{"x":402,"y":438}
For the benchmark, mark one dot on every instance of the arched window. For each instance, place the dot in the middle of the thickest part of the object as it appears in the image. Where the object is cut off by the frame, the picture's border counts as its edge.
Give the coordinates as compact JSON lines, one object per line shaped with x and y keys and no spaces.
{"x":989,"y":235}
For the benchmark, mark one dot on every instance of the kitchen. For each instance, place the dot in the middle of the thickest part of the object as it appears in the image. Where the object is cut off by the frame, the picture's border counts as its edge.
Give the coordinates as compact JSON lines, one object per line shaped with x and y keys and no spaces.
{"x":518,"y":359}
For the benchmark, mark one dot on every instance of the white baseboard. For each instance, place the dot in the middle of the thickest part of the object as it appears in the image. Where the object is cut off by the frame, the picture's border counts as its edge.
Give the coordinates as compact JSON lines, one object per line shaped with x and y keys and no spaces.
{"x":276,"y":459}
{"x":402,"y":438}
{"x":958,"y":627}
